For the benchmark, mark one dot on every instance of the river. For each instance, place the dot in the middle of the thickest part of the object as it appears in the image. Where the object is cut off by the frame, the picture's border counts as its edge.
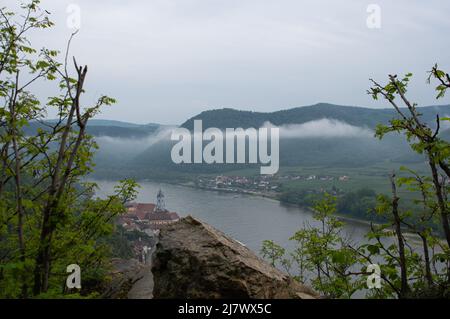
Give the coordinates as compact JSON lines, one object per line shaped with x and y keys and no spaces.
{"x":248,"y":219}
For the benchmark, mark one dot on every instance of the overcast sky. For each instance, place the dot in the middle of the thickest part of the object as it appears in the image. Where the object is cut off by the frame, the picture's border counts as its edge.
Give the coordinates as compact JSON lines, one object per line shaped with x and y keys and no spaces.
{"x":167,"y":60}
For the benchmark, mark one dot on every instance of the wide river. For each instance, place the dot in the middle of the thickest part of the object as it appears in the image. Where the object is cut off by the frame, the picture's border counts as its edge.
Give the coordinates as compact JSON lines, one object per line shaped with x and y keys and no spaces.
{"x":248,"y":219}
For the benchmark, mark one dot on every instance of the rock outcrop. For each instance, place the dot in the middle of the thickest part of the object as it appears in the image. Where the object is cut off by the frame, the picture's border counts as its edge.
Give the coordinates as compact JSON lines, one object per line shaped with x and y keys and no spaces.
{"x":130,"y":279}
{"x":194,"y":260}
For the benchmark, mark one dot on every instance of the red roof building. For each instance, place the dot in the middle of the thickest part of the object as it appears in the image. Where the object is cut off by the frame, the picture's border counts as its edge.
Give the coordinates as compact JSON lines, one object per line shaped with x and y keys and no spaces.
{"x":148,"y":214}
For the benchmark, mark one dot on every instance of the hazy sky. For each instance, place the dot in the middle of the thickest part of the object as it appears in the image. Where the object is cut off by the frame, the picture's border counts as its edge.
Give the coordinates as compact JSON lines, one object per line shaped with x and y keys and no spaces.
{"x":167,"y":60}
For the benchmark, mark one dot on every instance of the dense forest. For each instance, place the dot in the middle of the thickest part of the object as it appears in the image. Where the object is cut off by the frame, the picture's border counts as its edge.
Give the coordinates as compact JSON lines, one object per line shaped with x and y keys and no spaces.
{"x":358,"y":204}
{"x":357,"y":116}
{"x":358,"y":148}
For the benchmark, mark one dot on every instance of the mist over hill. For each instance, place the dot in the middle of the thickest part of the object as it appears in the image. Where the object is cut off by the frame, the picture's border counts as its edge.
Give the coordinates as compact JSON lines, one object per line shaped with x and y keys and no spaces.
{"x":321,"y":135}
{"x":108,"y":128}
{"x":356,"y":116}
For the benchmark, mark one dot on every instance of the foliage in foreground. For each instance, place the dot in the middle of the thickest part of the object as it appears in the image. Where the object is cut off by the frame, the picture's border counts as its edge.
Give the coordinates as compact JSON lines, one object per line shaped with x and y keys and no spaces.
{"x":49,"y":217}
{"x":412,"y":255}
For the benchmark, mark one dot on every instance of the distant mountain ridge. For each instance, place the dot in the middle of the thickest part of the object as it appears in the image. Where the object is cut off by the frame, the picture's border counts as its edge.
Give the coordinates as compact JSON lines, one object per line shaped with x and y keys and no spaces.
{"x":232,"y":118}
{"x":145,"y":150}
{"x":147,"y":157}
{"x":109,"y":128}
{"x":357,"y":116}
{"x":99,"y":122}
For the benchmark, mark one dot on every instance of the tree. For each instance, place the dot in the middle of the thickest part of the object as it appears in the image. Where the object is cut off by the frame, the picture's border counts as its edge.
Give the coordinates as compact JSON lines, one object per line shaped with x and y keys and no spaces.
{"x":321,"y":253}
{"x":272,"y":251}
{"x":406,"y":271}
{"x":49,"y":217}
{"x":423,"y":139}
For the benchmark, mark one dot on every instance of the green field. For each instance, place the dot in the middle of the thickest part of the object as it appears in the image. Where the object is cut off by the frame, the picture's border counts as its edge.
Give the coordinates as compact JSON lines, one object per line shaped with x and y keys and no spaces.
{"x":375,"y":177}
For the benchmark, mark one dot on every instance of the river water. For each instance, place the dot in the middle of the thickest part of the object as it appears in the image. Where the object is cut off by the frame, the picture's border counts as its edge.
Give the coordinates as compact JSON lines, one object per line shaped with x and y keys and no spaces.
{"x":248,"y":219}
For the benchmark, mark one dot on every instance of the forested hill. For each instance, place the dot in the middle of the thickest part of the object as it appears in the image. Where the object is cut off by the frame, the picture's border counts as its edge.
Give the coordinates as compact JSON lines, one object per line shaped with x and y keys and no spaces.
{"x":357,"y":116}
{"x":109,"y":128}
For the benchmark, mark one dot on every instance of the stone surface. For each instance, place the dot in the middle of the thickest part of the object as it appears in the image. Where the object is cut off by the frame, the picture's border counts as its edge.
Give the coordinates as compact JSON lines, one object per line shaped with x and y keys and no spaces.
{"x":130,"y":279}
{"x":194,"y":260}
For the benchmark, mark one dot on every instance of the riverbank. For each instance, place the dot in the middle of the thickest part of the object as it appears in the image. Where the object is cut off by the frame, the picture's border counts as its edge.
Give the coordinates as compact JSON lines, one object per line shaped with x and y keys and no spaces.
{"x":239,"y":196}
{"x":273,"y":197}
{"x":270,"y":196}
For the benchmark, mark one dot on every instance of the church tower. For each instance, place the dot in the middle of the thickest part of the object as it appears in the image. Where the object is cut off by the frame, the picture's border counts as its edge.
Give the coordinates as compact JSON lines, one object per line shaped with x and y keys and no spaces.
{"x":160,"y":204}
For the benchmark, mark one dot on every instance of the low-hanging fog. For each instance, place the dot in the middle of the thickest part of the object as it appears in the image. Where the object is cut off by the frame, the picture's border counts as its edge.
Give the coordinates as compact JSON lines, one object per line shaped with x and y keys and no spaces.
{"x":323,"y":141}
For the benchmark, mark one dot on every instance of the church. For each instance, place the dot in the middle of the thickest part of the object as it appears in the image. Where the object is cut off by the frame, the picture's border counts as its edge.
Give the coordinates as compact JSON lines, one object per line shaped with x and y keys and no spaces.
{"x":149,"y":215}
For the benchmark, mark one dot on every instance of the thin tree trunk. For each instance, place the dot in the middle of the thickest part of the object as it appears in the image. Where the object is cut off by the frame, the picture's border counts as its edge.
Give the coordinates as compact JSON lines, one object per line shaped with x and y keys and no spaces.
{"x":42,"y":266}
{"x":445,"y":168}
{"x":42,"y":274}
{"x":404,"y":290}
{"x":426,"y":255}
{"x":17,"y":179}
{"x":441,"y":202}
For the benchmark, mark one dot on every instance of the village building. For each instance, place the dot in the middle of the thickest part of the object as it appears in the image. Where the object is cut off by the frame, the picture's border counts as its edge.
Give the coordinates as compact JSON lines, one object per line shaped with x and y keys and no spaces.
{"x":149,"y":215}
